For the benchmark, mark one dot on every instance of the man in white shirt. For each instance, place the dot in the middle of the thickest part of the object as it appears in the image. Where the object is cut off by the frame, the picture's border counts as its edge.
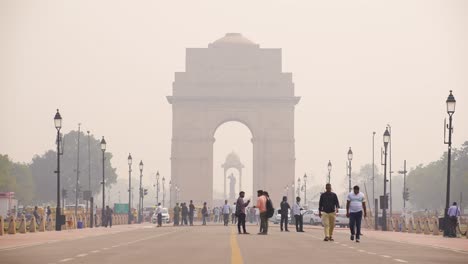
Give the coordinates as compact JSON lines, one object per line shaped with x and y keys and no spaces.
{"x":296,"y":210}
{"x":355,"y":204}
{"x":226,"y":209}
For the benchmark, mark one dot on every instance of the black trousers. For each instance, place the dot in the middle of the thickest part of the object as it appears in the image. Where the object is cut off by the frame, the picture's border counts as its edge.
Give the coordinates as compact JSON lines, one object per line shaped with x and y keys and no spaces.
{"x":241,"y":222}
{"x":284,"y":219}
{"x":190,"y":217}
{"x":355,"y":222}
{"x":299,"y":223}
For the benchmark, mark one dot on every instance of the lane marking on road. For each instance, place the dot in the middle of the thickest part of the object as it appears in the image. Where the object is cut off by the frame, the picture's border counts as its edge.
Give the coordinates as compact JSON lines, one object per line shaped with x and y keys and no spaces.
{"x":385,"y":256}
{"x":81,"y":255}
{"x":114,"y":246}
{"x":401,"y":260}
{"x":371,"y":253}
{"x":95,"y":251}
{"x":362,"y":251}
{"x":236,"y":257}
{"x":352,"y":247}
{"x":65,"y":260}
{"x":105,"y":248}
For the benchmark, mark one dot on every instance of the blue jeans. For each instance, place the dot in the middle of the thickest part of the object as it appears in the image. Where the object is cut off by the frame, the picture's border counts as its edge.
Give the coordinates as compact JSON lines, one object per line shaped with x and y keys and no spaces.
{"x":355,"y":221}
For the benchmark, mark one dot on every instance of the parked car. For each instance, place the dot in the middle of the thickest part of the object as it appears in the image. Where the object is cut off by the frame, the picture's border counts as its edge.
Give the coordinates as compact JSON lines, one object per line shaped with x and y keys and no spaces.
{"x":277,"y":218}
{"x":165,"y":216}
{"x":341,"y":219}
{"x":311,"y":217}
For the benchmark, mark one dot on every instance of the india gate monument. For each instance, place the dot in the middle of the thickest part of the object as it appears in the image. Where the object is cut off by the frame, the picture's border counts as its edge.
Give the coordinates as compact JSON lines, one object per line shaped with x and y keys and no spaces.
{"x":232,"y":80}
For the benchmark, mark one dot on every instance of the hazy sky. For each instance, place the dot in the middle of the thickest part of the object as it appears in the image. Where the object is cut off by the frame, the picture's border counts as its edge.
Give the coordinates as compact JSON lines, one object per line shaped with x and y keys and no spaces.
{"x":358,"y":65}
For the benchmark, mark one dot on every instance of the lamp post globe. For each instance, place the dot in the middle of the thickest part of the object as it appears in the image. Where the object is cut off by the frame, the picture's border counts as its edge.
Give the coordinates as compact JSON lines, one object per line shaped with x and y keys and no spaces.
{"x":350,"y":154}
{"x":451,"y":102}
{"x":58,"y":120}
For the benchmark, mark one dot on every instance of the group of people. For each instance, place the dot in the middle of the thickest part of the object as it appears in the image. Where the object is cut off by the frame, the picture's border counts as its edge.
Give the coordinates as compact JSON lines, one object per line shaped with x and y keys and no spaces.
{"x":328,"y":208}
{"x":183,"y":215}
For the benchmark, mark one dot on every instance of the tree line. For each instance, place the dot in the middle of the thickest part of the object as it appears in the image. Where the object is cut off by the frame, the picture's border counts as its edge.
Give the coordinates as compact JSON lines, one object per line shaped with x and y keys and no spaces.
{"x":36,"y":182}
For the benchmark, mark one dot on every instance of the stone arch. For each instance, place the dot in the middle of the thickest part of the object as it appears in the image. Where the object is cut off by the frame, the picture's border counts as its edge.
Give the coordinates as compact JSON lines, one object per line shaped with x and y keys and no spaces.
{"x":232,"y":80}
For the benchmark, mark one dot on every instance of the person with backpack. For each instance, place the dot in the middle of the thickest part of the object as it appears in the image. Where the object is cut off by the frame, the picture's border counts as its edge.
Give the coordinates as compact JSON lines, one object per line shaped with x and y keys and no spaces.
{"x":240,"y":212}
{"x":261,"y":205}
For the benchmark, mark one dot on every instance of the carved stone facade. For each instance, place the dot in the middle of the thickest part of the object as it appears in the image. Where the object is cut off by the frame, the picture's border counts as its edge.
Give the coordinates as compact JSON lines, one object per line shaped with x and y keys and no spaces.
{"x":232,"y":80}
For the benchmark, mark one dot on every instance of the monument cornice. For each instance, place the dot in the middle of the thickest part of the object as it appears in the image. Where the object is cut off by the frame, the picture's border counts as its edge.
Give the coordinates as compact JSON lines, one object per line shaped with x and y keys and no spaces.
{"x":223,"y":99}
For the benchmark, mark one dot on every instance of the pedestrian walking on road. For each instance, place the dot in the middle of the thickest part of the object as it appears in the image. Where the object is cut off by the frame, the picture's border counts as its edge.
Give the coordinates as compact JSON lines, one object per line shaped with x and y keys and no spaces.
{"x":109,"y":213}
{"x":176,"y":214}
{"x":453,"y":214}
{"x":36,"y":215}
{"x":240,"y":212}
{"x":204,"y":213}
{"x":48,"y":213}
{"x":355,"y":204}
{"x":191,"y":212}
{"x":216,"y":214}
{"x":261,"y":205}
{"x":284,"y":211}
{"x":159,"y":214}
{"x":233,"y":214}
{"x":328,"y":208}
{"x":298,"y":215}
{"x":226,"y":209}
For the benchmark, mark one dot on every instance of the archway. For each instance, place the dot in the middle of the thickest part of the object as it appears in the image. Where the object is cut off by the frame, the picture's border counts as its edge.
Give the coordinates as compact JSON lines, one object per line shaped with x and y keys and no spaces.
{"x":232,"y":80}
{"x":232,"y":157}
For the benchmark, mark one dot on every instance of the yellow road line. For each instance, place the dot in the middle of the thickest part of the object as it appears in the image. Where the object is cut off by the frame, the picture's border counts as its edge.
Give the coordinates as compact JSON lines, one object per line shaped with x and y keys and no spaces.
{"x":236,"y":257}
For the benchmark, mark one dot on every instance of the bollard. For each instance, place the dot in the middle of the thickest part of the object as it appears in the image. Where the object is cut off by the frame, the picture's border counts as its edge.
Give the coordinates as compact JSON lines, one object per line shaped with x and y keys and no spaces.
{"x":12,"y":226}
{"x":410,"y":226}
{"x":22,"y":226}
{"x":418,"y":226}
{"x":404,"y":228}
{"x":2,"y":226}
{"x":42,"y":225}
{"x":435,"y":226}
{"x":32,"y":225}
{"x":427,"y":230}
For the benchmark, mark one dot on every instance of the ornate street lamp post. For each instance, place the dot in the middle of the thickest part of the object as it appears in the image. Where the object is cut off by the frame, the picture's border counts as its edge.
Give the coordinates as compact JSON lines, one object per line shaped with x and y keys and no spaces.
{"x":58,"y":210}
{"x":305,"y":189}
{"x":298,"y":188}
{"x":140,"y":197}
{"x":350,"y":158}
{"x":450,"y":110}
{"x":164,"y":190}
{"x":384,"y":204}
{"x":329,"y":170}
{"x":129,"y":159}
{"x":103,"y":148}
{"x":157,"y":187}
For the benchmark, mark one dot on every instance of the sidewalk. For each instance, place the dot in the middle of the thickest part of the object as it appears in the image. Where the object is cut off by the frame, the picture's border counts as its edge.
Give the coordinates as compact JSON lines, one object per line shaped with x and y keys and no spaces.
{"x":8,"y":242}
{"x":456,"y":244}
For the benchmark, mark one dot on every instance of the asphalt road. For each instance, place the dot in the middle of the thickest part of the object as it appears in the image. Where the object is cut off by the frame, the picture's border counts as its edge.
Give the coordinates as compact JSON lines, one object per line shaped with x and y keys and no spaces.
{"x":219,"y":244}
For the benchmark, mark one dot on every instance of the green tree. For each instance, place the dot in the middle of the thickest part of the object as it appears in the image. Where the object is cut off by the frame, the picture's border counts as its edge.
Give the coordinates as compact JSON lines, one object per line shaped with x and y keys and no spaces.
{"x":7,"y":181}
{"x":43,"y":168}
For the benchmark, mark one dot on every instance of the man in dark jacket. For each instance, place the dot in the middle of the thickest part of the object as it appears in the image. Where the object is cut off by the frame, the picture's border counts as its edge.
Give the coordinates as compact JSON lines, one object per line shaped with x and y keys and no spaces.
{"x":328,"y":207}
{"x":176,"y":214}
{"x":184,"y":214}
{"x":191,"y":212}
{"x":240,"y":212}
{"x":284,"y":213}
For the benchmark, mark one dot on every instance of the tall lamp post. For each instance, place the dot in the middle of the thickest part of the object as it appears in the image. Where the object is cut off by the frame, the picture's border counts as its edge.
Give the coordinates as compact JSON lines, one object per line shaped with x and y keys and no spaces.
{"x":450,"y":110}
{"x":329,"y":170}
{"x":350,"y":158}
{"x":129,"y":159}
{"x":170,"y":193}
{"x":164,"y":190}
{"x":140,"y":198}
{"x":298,"y":188}
{"x":58,"y":126}
{"x":157,"y":187}
{"x":103,"y":148}
{"x":305,"y":189}
{"x":405,"y":190}
{"x":384,"y":204}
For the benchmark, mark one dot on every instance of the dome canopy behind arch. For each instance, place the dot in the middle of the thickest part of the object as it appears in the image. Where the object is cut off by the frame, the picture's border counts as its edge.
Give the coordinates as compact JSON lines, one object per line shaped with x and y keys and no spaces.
{"x":232,"y":161}
{"x":233,"y":39}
